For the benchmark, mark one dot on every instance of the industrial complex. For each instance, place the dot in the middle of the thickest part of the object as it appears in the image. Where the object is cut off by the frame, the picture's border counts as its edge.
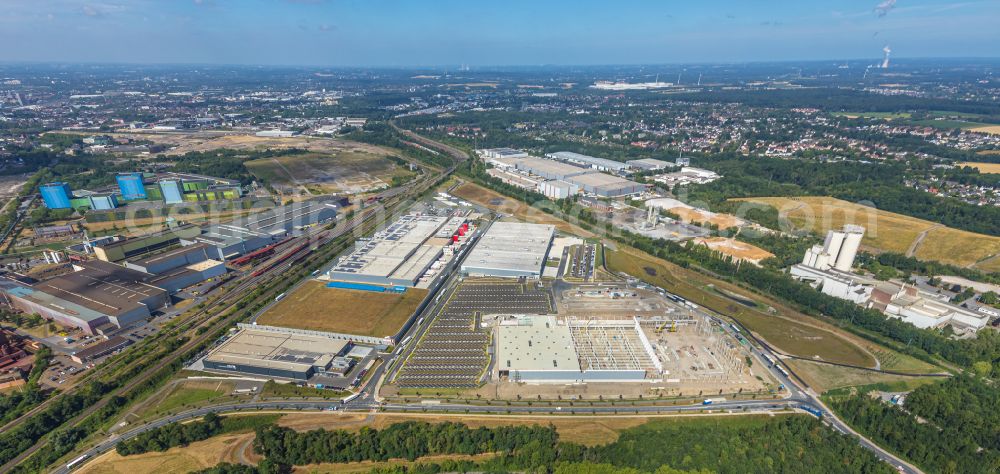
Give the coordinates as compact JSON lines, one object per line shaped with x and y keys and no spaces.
{"x":276,"y":354}
{"x":403,"y":252}
{"x":562,"y":174}
{"x":164,"y":187}
{"x":95,"y":297}
{"x":828,"y":268}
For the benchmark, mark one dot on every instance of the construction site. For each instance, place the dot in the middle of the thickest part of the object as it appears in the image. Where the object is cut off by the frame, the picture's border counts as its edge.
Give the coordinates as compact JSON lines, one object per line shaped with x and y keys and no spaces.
{"x":553,"y":339}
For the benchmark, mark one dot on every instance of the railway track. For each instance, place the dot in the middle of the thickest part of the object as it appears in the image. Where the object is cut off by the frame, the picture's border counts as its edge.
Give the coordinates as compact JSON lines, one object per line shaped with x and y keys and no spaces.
{"x":205,"y":324}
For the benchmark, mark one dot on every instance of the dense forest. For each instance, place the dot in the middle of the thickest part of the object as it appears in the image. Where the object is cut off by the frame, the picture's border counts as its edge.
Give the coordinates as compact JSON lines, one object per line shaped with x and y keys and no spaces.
{"x":951,"y":427}
{"x":733,"y":445}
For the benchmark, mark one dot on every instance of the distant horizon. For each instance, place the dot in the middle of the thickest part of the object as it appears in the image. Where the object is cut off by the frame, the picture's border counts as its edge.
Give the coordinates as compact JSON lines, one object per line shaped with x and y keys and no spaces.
{"x":474,"y":67}
{"x":409,"y":33}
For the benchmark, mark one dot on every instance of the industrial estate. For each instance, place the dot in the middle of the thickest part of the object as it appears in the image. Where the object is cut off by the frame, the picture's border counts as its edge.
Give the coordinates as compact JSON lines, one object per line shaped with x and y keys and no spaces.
{"x":751,"y":268}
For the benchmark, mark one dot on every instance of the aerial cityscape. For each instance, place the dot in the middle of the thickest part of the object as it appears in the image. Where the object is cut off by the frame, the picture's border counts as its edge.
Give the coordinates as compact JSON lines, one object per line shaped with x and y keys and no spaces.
{"x":424,"y":237}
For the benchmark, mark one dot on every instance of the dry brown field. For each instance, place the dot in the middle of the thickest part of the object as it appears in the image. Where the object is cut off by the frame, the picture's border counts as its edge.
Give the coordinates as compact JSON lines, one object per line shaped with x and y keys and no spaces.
{"x":315,"y":307}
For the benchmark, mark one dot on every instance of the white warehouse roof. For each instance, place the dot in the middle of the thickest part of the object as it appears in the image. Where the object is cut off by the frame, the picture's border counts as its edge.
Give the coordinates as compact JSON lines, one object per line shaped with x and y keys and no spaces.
{"x":511,"y":249}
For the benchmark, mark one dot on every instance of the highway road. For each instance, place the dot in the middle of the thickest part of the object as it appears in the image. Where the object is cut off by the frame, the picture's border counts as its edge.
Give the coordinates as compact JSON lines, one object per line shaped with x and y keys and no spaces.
{"x":798,"y":397}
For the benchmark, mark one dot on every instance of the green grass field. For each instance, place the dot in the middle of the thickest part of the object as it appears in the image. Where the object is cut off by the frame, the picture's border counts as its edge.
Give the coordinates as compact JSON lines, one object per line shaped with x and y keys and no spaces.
{"x":823,"y":377}
{"x":874,"y":115}
{"x":947,"y":124}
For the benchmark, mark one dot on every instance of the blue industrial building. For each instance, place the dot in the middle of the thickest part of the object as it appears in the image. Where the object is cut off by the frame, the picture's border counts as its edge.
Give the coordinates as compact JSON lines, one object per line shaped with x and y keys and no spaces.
{"x":347,"y":285}
{"x":103,"y":202}
{"x":173,"y":191}
{"x":130,"y":185}
{"x":56,"y":195}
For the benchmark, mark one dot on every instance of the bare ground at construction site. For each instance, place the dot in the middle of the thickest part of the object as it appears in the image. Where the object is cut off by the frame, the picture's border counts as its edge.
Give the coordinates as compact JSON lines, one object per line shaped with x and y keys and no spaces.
{"x":181,"y":143}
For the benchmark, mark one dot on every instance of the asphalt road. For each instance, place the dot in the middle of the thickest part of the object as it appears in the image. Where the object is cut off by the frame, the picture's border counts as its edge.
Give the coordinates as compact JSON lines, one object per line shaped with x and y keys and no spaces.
{"x":799,"y":397}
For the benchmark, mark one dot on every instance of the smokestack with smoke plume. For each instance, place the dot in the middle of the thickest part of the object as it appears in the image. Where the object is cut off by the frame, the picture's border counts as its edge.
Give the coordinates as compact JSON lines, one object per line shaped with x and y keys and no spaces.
{"x":883,"y":8}
{"x":885,"y":59}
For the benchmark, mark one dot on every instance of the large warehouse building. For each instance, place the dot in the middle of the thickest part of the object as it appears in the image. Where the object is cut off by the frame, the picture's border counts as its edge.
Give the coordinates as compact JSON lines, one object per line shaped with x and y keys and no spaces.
{"x":174,"y":258}
{"x":577,"y":178}
{"x":547,"y":169}
{"x":606,"y":185}
{"x":602,"y":164}
{"x":136,"y":246}
{"x":511,"y":249}
{"x":401,"y":253}
{"x":277,"y":354}
{"x":547,"y":349}
{"x":95,"y":295}
{"x":287,"y":219}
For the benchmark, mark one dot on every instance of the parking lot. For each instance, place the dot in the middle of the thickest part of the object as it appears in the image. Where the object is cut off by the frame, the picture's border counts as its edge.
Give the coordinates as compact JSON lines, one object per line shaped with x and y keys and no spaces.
{"x":62,"y":372}
{"x":452,"y":353}
{"x":581,"y":262}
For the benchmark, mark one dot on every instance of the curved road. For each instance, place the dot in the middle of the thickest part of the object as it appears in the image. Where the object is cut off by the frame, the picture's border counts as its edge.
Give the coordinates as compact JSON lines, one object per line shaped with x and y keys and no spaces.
{"x":798,"y":398}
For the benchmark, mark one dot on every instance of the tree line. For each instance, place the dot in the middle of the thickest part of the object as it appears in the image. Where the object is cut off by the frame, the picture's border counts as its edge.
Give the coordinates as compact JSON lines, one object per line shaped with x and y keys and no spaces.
{"x":798,"y":444}
{"x":182,"y":434}
{"x":903,"y":336}
{"x":950,"y":427}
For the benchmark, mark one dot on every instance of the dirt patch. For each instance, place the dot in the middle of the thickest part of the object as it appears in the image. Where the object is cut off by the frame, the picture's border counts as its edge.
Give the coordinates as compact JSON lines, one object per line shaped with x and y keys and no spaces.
{"x":589,"y":431}
{"x":734,"y":248}
{"x":504,"y":205}
{"x":346,"y":171}
{"x":193,"y":457}
{"x":689,"y":215}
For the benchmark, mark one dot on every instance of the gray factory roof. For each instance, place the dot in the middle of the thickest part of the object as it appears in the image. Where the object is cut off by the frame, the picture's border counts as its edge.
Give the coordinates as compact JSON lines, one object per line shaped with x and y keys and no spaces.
{"x":287,"y":217}
{"x":587,"y":159}
{"x":603,"y":181}
{"x":511,"y":247}
{"x":536,"y":343}
{"x":164,"y":257}
{"x":103,"y":287}
{"x":52,"y":302}
{"x":547,"y":168}
{"x":649,"y":164}
{"x":276,"y":350}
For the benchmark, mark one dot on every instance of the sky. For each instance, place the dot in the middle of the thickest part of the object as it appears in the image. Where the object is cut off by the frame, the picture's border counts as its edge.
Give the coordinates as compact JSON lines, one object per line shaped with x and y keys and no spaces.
{"x":400,"y":33}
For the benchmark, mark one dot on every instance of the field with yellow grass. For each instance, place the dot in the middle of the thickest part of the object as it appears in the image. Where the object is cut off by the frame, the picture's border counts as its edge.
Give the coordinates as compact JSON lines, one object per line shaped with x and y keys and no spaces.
{"x":193,"y":457}
{"x":990,"y":129}
{"x":887,"y":231}
{"x":590,"y":431}
{"x":982,"y":167}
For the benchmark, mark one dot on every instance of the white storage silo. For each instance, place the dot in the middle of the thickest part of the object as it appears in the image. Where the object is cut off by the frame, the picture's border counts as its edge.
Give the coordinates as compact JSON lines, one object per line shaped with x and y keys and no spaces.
{"x":849,"y":250}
